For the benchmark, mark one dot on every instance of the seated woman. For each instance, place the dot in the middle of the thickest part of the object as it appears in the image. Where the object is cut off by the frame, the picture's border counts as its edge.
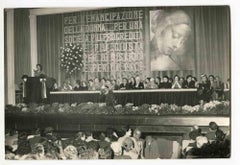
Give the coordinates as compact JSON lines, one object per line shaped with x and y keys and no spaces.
{"x":188,"y":83}
{"x":132,"y":83}
{"x":83,"y":86}
{"x":195,"y":80}
{"x":77,"y":85}
{"x":67,"y":86}
{"x":115,"y":85}
{"x":97,"y":85}
{"x":147,"y":83}
{"x":181,"y":80}
{"x":158,"y":81}
{"x":165,"y":84}
{"x":103,"y":83}
{"x":124,"y":85}
{"x":218,"y":89}
{"x":176,"y":83}
{"x":152,"y":84}
{"x":227,"y":85}
{"x":204,"y":89}
{"x":91,"y":86}
{"x":212,"y":82}
{"x":139,"y":84}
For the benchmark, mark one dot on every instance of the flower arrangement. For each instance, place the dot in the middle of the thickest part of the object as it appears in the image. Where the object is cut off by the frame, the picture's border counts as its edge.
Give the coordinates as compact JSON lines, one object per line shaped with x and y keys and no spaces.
{"x":211,"y":108}
{"x":72,"y":58}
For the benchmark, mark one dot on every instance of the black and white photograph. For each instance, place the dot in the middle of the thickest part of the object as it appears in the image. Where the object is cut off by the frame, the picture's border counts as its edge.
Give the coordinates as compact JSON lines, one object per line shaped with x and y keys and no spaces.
{"x":150,"y":82}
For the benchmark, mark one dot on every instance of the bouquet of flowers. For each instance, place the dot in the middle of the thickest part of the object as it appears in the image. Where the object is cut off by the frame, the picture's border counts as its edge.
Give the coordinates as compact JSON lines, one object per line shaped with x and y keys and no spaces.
{"x":72,"y":58}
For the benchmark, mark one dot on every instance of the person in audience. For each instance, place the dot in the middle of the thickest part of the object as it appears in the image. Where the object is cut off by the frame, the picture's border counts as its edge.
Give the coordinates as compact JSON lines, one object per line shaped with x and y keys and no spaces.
{"x":170,"y":80}
{"x":115,"y":85}
{"x":128,"y":148}
{"x":176,"y":83}
{"x":77,"y":86}
{"x":158,"y":81}
{"x":147,"y":83}
{"x":103,"y":141}
{"x":132,"y":83}
{"x":188,"y":83}
{"x":91,"y":86}
{"x":97,"y":85}
{"x":38,"y":71}
{"x":111,"y":135}
{"x":23,"y":144}
{"x":124,"y":85}
{"x":105,"y":152}
{"x":38,"y":151}
{"x":118,"y":151}
{"x":214,"y":132}
{"x":138,"y":143}
{"x":11,"y":142}
{"x":197,"y":141}
{"x":71,"y":152}
{"x":89,"y":137}
{"x":151,"y":150}
{"x":125,"y":132}
{"x":204,"y":89}
{"x":165,"y":84}
{"x":139,"y":84}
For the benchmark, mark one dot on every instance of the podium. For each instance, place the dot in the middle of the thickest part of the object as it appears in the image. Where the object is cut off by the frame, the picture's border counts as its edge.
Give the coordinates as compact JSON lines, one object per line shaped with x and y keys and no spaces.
{"x":33,"y":89}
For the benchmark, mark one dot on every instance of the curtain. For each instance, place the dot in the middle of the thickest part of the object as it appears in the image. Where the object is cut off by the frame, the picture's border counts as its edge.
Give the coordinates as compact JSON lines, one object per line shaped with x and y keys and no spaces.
{"x":212,"y":37}
{"x":22,"y":59}
{"x":49,"y":41}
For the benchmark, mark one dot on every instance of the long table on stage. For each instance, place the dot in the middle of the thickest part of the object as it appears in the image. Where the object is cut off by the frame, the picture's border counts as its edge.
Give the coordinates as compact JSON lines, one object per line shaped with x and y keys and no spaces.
{"x":137,"y":97}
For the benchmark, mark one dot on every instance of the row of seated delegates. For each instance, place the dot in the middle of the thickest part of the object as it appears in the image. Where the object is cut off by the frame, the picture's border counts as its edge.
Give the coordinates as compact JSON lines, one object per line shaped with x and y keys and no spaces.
{"x":148,"y":83}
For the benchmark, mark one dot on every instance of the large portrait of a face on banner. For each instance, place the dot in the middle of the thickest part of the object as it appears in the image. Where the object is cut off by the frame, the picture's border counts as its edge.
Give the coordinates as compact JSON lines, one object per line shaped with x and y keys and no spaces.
{"x":172,"y":44}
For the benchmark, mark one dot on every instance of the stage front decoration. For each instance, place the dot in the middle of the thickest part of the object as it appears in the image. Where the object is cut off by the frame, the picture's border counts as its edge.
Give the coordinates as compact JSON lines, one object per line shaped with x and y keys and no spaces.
{"x":72,"y":58}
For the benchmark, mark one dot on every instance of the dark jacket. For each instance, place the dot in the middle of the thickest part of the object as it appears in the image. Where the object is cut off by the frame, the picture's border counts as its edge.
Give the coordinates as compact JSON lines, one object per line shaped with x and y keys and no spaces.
{"x":165,"y":85}
{"x":191,"y":84}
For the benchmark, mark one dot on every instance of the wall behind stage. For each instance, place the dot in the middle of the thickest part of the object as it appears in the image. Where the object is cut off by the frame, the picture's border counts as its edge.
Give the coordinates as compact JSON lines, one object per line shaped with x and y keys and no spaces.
{"x":113,"y":43}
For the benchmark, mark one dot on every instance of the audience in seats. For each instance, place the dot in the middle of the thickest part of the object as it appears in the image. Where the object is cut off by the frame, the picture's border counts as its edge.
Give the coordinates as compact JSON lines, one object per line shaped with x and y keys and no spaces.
{"x":47,"y":144}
